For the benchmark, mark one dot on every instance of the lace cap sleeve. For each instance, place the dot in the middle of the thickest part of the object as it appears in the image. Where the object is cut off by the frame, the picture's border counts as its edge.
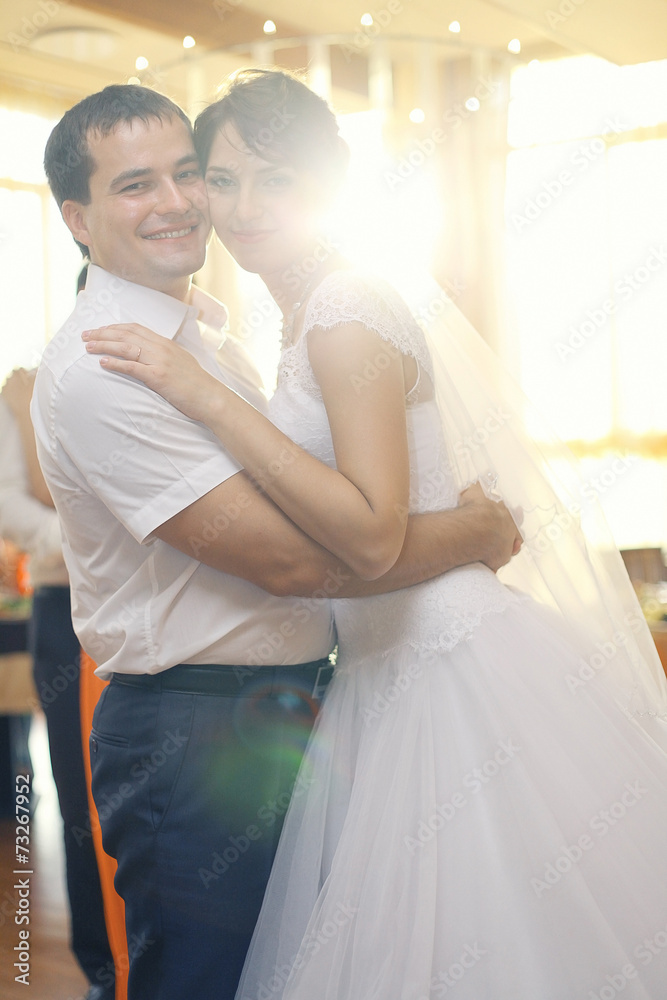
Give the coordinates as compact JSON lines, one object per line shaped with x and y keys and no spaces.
{"x":349,"y":297}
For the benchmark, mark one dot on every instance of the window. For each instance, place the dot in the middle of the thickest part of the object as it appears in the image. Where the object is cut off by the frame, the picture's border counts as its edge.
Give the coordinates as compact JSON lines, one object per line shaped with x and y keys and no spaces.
{"x":39,"y":260}
{"x":586,"y":218}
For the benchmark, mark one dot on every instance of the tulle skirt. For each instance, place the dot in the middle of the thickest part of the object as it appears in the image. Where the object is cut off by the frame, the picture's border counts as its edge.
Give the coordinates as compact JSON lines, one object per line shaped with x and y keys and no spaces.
{"x":471,"y":824}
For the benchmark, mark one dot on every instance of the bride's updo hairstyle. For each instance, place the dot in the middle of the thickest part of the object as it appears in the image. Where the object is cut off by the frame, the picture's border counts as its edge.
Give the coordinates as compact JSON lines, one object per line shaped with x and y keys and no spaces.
{"x":281,"y":120}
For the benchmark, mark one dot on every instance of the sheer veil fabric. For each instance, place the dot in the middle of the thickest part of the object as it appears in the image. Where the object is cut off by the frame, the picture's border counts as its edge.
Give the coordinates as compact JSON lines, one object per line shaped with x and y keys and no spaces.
{"x":568,"y":560}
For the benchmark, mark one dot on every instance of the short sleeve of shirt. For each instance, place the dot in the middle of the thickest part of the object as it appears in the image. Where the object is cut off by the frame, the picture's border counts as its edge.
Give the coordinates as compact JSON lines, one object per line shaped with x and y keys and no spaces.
{"x":143,"y":458}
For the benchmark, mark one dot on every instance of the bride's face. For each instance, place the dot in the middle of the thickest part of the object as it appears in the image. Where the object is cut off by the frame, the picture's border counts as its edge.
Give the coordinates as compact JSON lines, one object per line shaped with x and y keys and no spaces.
{"x":266,"y":213}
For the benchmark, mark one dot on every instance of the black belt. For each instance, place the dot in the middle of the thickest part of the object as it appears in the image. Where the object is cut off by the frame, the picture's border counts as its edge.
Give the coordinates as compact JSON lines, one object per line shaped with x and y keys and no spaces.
{"x":228,"y":681}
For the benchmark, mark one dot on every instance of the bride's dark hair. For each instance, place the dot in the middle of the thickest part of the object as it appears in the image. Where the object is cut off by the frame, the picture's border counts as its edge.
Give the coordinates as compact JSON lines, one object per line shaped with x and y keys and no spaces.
{"x":280,"y":119}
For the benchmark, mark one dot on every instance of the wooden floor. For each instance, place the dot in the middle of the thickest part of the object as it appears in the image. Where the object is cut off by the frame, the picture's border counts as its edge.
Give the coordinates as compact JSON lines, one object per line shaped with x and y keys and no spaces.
{"x":54,"y":974}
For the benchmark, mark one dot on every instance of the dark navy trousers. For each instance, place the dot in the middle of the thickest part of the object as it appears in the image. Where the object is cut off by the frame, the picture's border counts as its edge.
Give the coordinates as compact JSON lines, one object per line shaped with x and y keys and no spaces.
{"x":192,"y":790}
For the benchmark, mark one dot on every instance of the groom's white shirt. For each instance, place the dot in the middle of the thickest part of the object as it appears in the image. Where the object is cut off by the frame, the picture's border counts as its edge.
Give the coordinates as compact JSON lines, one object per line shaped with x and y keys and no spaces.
{"x":120,"y":461}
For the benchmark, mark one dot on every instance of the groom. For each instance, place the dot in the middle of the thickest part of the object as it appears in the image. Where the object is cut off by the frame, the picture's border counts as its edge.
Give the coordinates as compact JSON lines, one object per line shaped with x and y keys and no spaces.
{"x":193,"y":592}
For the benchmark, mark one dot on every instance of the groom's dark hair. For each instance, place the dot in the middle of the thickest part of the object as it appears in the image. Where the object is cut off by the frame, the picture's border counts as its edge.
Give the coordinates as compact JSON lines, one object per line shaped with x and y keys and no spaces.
{"x":68,"y":163}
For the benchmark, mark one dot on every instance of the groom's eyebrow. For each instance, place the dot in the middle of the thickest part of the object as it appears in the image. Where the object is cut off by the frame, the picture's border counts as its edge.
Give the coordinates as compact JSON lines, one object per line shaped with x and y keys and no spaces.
{"x":136,"y":172}
{"x":188,"y":158}
{"x":130,"y":175}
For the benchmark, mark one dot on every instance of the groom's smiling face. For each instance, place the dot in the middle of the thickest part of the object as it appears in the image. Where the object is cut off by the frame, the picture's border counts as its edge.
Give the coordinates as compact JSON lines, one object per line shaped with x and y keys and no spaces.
{"x":147,"y":219}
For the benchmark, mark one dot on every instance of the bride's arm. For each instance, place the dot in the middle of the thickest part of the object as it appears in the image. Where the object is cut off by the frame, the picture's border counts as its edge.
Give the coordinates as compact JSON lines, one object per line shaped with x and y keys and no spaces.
{"x":269,"y":550}
{"x":357,"y":511}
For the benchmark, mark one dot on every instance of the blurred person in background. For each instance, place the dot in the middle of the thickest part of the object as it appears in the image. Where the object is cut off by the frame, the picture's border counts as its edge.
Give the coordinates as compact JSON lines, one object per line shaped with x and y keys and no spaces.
{"x":28,"y":518}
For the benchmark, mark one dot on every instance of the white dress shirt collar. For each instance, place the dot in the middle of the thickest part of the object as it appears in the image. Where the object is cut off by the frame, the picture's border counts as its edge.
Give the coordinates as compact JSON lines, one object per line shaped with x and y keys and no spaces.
{"x":155,"y":310}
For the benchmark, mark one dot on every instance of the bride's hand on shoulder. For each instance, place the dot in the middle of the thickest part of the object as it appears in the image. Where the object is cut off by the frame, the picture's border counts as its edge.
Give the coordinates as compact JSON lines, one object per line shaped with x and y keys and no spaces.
{"x":163,"y":366}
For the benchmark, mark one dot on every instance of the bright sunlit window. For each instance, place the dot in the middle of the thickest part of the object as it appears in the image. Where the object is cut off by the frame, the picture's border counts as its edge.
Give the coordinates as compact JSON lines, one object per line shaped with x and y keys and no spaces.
{"x":586,"y":218}
{"x":37,"y":254}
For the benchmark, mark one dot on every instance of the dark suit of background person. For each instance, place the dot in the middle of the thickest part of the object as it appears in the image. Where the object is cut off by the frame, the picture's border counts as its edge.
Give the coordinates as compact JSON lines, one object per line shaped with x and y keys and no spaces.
{"x":34,"y":527}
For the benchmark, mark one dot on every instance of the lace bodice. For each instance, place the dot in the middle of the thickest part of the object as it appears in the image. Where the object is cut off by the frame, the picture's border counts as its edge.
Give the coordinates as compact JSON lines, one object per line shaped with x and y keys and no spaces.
{"x":434,"y":615}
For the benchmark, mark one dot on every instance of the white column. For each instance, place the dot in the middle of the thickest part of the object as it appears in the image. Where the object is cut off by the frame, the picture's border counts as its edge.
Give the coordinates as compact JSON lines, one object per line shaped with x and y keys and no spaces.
{"x":427,"y":80}
{"x":319,"y":68}
{"x":380,"y":78}
{"x":262,"y":54}
{"x":197,"y":95}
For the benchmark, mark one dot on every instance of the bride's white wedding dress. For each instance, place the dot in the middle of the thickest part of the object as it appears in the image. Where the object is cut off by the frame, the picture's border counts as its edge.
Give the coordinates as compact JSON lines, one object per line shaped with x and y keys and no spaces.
{"x":467,"y":822}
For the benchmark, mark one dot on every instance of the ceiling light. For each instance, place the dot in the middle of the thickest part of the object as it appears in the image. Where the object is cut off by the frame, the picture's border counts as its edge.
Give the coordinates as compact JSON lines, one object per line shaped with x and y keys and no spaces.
{"x":134,"y":80}
{"x":77,"y":42}
{"x":188,"y":42}
{"x":366,"y":20}
{"x":141,"y":62}
{"x":269,"y":27}
{"x":472,"y":104}
{"x":514,"y":46}
{"x":417,"y":116}
{"x":455,"y":27}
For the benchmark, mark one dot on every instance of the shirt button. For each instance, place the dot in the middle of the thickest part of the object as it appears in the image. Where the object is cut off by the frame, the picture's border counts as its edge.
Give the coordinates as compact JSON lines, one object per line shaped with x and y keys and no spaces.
{"x":93,"y":745}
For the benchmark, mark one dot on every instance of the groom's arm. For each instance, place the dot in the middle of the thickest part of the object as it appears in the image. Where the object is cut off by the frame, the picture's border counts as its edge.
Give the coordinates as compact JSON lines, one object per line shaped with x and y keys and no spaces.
{"x":257,"y":542}
{"x":478,"y":530}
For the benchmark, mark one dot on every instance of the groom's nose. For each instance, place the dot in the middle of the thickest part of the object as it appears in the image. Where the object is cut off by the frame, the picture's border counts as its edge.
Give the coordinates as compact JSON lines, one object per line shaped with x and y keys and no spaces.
{"x":172,"y":198}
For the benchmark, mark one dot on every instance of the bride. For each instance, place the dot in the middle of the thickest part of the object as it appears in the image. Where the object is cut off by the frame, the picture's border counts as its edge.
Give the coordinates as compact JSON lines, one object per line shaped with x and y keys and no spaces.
{"x":486,"y":804}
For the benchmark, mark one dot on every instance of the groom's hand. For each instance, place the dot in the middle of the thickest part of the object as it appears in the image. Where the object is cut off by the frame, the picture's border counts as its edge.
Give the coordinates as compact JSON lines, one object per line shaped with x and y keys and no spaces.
{"x":499,"y":535}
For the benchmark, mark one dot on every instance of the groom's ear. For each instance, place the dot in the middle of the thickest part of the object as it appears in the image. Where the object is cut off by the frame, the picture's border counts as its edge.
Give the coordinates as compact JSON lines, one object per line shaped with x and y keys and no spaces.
{"x":74,"y":215}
